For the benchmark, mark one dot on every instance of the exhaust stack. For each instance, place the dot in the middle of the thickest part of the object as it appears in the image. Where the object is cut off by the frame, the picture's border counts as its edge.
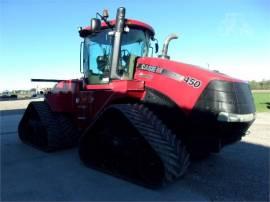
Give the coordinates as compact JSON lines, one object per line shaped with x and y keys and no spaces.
{"x":119,"y":28}
{"x":166,"y":45}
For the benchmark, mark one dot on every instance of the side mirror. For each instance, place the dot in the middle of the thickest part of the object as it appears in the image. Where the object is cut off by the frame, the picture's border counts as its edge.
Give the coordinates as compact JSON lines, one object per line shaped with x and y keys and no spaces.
{"x":156,"y":47}
{"x":81,"y":45}
{"x":95,"y":25}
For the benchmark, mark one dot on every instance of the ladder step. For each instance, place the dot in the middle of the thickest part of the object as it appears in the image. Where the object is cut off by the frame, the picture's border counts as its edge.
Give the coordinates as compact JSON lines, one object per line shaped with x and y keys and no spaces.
{"x":81,"y":117}
{"x":82,"y":106}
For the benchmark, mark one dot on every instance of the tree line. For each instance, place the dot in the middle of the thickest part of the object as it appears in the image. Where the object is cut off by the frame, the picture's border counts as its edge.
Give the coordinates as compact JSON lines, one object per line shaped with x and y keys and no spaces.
{"x":260,"y":85}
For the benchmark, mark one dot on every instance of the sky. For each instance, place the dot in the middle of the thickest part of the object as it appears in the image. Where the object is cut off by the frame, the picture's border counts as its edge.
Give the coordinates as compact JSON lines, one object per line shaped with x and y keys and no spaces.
{"x":39,"y":38}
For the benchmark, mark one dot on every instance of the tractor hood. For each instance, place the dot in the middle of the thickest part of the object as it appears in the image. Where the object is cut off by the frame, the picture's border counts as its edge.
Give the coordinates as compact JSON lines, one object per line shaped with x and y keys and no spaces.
{"x":190,"y":85}
{"x":181,"y":70}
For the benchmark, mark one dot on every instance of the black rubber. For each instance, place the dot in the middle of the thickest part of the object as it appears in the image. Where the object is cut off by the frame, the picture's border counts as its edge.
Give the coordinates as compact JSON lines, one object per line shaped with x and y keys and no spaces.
{"x":172,"y":116}
{"x":131,"y":142}
{"x":46,"y":130}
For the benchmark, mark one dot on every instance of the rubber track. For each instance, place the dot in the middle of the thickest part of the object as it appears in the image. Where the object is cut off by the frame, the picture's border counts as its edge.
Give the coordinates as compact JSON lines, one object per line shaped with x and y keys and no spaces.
{"x":69,"y":134}
{"x":171,"y":150}
{"x":60,"y":131}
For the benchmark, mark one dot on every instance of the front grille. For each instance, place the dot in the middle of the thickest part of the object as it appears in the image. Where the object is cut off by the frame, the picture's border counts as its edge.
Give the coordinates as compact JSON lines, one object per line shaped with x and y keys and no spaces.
{"x":224,"y":96}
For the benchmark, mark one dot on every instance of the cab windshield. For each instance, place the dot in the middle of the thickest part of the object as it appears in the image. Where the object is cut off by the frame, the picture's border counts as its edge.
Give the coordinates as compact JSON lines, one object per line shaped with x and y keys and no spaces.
{"x":97,"y":54}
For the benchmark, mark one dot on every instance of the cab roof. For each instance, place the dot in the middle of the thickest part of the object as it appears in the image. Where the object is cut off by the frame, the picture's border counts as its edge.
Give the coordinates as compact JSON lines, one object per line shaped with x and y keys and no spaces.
{"x":129,"y":22}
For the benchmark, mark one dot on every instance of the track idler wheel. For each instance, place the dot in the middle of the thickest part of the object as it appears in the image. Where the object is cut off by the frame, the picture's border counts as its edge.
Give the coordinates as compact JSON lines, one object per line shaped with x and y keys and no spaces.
{"x":45,"y":130}
{"x":129,"y":141}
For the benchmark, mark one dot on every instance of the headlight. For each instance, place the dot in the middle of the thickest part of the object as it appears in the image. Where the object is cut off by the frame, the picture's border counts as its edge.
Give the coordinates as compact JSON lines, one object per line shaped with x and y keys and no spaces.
{"x":230,"y":117}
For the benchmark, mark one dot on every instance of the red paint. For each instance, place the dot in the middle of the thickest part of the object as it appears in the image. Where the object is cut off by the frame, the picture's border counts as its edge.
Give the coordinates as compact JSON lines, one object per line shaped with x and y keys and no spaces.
{"x":91,"y":99}
{"x":130,"y":23}
{"x":62,"y":97}
{"x":68,"y":97}
{"x":85,"y":103}
{"x":179,"y":91}
{"x":105,"y":94}
{"x":118,"y":86}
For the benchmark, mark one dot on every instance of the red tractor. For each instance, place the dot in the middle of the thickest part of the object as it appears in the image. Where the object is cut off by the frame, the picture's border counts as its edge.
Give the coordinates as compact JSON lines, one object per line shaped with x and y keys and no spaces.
{"x":136,"y":116}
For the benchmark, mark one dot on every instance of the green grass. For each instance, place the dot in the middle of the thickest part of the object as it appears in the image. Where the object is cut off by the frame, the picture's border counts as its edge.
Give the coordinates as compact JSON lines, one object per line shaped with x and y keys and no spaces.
{"x":262,"y":101}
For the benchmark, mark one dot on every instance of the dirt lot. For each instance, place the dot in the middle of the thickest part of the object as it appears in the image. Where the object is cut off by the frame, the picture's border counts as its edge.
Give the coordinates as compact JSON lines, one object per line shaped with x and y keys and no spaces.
{"x":239,"y":173}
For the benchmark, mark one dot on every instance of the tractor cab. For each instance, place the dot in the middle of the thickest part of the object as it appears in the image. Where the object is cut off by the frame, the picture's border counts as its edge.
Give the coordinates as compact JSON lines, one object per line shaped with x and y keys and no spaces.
{"x":110,"y":53}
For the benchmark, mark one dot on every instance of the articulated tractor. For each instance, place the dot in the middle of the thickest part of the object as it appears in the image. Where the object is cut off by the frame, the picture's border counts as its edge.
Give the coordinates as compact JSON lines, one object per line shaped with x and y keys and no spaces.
{"x":135,"y":116}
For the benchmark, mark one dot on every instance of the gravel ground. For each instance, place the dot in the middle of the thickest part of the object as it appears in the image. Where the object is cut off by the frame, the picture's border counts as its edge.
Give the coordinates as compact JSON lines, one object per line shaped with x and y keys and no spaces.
{"x":239,"y":173}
